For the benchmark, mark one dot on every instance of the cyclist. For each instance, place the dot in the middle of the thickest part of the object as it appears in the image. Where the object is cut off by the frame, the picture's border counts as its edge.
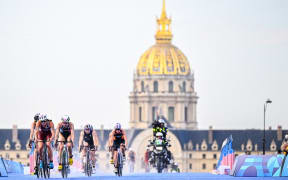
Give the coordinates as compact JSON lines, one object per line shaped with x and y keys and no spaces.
{"x":32,"y":137}
{"x":284,"y":146}
{"x":45,"y":131}
{"x":117,"y":139}
{"x":64,"y":133}
{"x":88,"y":138}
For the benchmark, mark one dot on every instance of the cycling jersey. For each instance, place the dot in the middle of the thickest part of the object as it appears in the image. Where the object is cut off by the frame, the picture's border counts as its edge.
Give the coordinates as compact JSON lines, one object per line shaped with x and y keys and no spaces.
{"x":65,"y":130}
{"x":44,"y":131}
{"x":89,"y":138}
{"x":118,"y":139}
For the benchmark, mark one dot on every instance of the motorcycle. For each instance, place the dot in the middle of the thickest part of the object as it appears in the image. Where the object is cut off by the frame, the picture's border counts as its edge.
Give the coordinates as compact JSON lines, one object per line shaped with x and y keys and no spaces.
{"x":159,"y":155}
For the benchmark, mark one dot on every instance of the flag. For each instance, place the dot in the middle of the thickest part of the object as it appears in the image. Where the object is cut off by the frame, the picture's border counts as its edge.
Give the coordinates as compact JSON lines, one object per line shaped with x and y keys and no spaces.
{"x":227,"y":156}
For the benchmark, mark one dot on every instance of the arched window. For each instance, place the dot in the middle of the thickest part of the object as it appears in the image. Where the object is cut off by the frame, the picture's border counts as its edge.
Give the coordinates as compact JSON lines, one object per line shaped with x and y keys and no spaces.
{"x":155,"y":86}
{"x":186,"y":114}
{"x":170,"y":87}
{"x":203,"y":156}
{"x":142,"y":86}
{"x":171,"y":114}
{"x":140,"y":113}
{"x":184,"y":86}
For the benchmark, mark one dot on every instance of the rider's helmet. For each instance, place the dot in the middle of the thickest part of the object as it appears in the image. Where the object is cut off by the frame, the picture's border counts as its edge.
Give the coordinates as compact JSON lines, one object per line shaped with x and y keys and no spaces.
{"x":88,"y":127}
{"x":286,"y":138}
{"x":36,"y":117}
{"x":65,"y":118}
{"x":49,"y":117}
{"x":117,"y":126}
{"x":43,"y":117}
{"x":162,"y":122}
{"x":159,"y":135}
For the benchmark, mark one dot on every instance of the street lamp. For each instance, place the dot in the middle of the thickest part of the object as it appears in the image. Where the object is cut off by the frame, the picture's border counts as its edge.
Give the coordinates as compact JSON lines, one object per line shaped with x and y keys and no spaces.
{"x":268,"y":101}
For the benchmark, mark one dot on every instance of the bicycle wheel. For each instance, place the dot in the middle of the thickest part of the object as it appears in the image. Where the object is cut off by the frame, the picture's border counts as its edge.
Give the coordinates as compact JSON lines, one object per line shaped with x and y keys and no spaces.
{"x":119,"y":163}
{"x":37,"y":172}
{"x":63,"y":162}
{"x":89,"y":168}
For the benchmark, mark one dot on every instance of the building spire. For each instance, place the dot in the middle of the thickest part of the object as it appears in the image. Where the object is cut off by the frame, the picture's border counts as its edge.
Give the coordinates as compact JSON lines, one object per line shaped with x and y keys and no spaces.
{"x":163,"y":14}
{"x":163,"y":34}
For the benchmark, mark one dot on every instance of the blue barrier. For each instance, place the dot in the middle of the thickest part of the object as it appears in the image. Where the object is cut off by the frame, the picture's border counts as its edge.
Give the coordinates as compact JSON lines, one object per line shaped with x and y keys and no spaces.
{"x":259,"y":166}
{"x":3,"y":171}
{"x":14,"y":167}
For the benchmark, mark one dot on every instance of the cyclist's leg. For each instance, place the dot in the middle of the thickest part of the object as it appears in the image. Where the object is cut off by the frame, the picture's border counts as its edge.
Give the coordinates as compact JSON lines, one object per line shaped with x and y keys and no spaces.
{"x":69,"y":145}
{"x":92,"y":155}
{"x":60,"y":150}
{"x":40,"y":145}
{"x":83,"y":154}
{"x":50,"y":153}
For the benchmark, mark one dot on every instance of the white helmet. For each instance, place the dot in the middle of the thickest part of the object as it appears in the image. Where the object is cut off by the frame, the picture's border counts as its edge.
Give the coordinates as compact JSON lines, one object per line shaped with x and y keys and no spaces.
{"x":65,"y":118}
{"x":159,"y":134}
{"x":117,"y":126}
{"x":161,"y":121}
{"x":286,"y":137}
{"x":43,"y":117}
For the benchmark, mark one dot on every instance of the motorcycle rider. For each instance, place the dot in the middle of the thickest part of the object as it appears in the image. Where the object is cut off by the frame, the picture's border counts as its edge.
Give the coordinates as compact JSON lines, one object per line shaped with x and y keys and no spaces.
{"x":160,"y":139}
{"x":117,"y":139}
{"x":160,"y":126}
{"x":89,"y":139}
{"x":64,"y":133}
{"x":45,"y":132}
{"x":32,"y":137}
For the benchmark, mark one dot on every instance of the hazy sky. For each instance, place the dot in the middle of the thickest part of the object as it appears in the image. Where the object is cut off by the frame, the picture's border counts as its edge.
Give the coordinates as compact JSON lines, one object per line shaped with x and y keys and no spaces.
{"x":78,"y":58}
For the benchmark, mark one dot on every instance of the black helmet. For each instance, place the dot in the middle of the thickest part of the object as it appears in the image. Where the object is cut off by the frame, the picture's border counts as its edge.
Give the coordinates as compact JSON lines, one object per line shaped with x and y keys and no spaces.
{"x":36,"y":117}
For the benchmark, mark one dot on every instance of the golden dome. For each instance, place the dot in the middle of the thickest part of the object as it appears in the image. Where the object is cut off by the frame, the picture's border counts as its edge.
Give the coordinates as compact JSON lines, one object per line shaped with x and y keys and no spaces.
{"x":163,"y":58}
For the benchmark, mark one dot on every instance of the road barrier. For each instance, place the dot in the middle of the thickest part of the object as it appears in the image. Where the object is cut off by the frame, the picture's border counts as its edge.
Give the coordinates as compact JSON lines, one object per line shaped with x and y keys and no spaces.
{"x":13,"y":167}
{"x":259,"y":166}
{"x":3,"y":170}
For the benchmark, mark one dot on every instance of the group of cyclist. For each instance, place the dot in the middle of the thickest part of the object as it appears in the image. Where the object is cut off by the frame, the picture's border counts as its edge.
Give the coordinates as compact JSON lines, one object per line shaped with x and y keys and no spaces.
{"x":43,"y":131}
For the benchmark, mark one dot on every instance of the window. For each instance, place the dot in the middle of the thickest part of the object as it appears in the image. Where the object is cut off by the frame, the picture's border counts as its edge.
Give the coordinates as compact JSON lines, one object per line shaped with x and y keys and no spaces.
{"x":215,"y":156}
{"x":214,"y":166}
{"x":190,"y":156}
{"x":204,"y":166}
{"x":170,"y":87}
{"x":17,"y":156}
{"x":7,"y":156}
{"x":203,"y":156}
{"x":171,"y":114}
{"x":184,"y":86}
{"x":155,"y":86}
{"x":140,"y":113}
{"x":153,"y":113}
{"x":28,"y":156}
{"x":186,"y":114}
{"x":190,"y":166}
{"x":142,"y":86}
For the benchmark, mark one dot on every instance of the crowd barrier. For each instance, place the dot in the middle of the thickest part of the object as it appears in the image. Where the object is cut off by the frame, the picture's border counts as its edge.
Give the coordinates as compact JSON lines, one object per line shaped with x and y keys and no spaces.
{"x":3,"y":171}
{"x":259,"y":166}
{"x":13,"y":167}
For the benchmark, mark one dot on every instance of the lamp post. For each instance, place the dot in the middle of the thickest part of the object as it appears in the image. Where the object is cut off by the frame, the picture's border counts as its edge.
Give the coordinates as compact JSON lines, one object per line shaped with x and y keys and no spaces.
{"x":268,"y":101}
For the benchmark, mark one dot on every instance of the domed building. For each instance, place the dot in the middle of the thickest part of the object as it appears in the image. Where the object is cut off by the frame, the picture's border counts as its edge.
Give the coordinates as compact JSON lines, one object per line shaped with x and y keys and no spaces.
{"x":163,"y":83}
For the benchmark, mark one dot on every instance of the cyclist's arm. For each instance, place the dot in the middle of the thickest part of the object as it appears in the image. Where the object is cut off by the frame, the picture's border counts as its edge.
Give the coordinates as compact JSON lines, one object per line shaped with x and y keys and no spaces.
{"x":52,"y":130}
{"x":57,"y":132}
{"x":95,"y":138}
{"x":81,"y":139}
{"x":111,"y":138}
{"x":37,"y":130}
{"x":32,"y":131}
{"x":72,"y":132}
{"x":125,"y":138}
